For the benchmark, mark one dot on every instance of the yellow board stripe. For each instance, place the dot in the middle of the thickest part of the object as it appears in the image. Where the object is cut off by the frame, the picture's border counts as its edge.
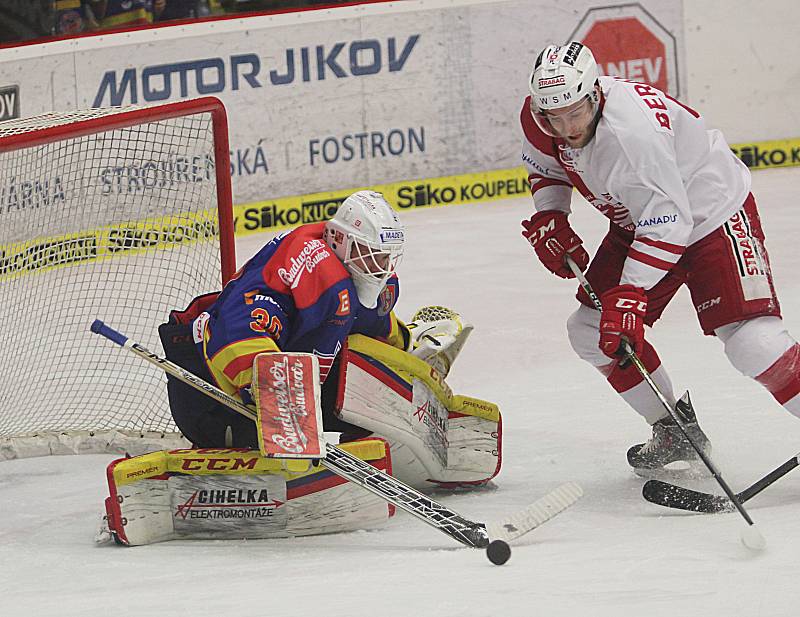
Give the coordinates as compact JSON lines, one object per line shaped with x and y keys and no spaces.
{"x":289,"y":212}
{"x":766,"y":154}
{"x":134,"y":237}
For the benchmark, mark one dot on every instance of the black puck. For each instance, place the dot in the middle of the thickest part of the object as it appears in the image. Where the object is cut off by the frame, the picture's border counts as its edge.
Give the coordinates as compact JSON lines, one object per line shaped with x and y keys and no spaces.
{"x":498,"y":552}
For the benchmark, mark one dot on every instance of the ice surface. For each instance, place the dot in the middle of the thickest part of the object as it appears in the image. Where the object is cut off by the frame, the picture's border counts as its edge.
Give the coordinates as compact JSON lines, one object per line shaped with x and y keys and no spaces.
{"x":612,"y":554}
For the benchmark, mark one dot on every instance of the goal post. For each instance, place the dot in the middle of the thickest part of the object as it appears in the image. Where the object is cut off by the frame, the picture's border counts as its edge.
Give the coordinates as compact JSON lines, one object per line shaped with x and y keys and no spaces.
{"x":120,"y":214}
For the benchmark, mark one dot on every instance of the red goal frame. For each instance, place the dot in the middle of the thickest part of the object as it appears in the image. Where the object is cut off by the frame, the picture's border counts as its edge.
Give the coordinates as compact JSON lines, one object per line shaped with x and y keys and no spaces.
{"x":141,"y":115}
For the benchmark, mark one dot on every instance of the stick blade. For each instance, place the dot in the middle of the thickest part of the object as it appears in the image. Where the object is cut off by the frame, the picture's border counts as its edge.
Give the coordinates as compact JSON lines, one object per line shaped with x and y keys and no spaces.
{"x":536,"y":514}
{"x":680,"y":498}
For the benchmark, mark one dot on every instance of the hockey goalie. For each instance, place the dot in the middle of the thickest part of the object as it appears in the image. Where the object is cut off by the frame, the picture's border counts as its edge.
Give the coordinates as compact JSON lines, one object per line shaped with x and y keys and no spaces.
{"x":323,"y":293}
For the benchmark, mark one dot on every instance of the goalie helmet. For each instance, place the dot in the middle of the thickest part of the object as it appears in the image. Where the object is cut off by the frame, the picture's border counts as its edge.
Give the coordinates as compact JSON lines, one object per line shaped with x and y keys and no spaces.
{"x":366,"y":234}
{"x":563,"y":75}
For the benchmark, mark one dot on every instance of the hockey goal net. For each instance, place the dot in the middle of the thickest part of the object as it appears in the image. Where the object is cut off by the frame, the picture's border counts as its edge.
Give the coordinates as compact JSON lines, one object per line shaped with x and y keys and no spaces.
{"x":118,"y":214}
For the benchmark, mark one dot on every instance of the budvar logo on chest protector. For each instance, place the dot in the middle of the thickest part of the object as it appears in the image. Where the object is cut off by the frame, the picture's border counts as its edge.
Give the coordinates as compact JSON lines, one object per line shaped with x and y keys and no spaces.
{"x":313,"y":252}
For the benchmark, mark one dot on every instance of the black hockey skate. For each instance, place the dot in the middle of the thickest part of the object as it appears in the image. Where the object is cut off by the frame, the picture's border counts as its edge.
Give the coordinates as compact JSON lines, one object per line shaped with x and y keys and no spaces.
{"x":668,"y":450}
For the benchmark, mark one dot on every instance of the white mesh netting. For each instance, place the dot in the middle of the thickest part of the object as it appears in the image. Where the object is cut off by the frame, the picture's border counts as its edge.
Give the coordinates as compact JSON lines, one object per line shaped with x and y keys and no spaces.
{"x":120,"y":225}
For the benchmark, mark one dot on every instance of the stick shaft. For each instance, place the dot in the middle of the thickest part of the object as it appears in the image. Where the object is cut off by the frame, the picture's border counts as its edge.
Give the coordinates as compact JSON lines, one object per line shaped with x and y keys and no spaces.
{"x":774,"y":475}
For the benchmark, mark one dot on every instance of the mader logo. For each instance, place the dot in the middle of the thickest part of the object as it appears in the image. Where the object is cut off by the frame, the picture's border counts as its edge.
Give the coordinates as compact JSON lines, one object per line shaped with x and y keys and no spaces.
{"x":628,"y":42}
{"x":572,"y":53}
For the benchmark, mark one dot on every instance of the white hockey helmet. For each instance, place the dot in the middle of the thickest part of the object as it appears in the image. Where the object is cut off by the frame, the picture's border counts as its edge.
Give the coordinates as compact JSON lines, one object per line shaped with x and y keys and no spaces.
{"x":366,"y":234}
{"x":562,"y":75}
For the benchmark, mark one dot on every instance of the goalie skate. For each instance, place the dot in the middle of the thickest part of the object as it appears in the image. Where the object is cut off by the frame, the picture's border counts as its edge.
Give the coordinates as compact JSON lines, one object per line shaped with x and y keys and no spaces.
{"x":668,"y":450}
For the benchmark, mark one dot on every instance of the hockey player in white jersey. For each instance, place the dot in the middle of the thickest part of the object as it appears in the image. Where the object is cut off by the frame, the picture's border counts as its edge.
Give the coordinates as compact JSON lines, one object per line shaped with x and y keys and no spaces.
{"x":680,"y":212}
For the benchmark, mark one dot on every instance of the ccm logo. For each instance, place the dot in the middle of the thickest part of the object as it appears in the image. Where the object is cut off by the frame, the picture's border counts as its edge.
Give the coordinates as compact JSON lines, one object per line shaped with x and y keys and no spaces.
{"x":218,"y":464}
{"x":542,"y":231}
{"x":628,"y":304}
{"x":708,"y":304}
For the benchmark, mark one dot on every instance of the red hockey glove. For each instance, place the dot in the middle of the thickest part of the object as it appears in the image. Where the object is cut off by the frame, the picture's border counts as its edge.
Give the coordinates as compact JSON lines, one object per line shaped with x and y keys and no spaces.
{"x":624,"y":308}
{"x":552,"y":238}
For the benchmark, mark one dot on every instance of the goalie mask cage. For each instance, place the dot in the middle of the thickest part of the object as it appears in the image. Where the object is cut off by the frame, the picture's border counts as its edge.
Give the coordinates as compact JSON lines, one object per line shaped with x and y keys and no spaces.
{"x":118,"y":214}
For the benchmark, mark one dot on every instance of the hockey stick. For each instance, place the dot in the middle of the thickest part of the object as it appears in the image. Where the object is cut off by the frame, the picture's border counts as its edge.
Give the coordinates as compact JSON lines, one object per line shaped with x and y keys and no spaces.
{"x":753,"y":538}
{"x":672,"y":496}
{"x":388,"y":488}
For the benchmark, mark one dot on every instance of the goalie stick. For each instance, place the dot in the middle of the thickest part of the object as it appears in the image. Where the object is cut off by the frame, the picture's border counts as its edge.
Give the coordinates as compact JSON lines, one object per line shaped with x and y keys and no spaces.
{"x":342,"y":463}
{"x":753,"y":536}
{"x":672,"y":496}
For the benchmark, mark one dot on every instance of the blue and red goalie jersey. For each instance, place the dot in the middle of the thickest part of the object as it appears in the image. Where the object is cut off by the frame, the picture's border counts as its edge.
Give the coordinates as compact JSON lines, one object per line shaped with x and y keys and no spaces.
{"x":293,"y":295}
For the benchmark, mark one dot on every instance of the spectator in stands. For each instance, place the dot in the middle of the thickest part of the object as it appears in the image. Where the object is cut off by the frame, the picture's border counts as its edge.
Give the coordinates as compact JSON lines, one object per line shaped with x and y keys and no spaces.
{"x":184,"y":9}
{"x":76,"y":16}
{"x":243,"y":6}
{"x":125,"y":13}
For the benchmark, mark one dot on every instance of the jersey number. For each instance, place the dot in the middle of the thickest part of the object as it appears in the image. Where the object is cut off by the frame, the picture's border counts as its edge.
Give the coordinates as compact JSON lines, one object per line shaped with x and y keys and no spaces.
{"x":265,"y":324}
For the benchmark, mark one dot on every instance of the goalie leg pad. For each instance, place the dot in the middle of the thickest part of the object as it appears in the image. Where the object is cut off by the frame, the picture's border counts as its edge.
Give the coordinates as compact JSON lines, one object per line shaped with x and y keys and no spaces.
{"x":237,"y":494}
{"x":436,"y":438}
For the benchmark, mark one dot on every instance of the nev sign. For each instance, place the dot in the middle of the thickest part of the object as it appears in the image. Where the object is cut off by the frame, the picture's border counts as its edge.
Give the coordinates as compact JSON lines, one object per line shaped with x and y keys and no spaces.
{"x":628,"y":42}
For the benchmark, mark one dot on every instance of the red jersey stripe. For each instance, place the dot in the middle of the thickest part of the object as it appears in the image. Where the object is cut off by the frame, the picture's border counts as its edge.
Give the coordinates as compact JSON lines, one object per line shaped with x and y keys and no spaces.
{"x":538,"y":182}
{"x":653,"y":262}
{"x":677,"y":249}
{"x":239,"y":364}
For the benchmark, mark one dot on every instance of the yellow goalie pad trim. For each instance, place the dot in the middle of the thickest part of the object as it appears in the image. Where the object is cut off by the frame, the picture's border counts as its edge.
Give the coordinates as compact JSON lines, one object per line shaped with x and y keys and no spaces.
{"x":227,"y":461}
{"x":475,"y":407}
{"x":409,"y":367}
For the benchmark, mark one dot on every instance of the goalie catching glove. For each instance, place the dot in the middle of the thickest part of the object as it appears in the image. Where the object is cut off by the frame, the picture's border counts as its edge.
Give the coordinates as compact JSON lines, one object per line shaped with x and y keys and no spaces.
{"x":437,"y":336}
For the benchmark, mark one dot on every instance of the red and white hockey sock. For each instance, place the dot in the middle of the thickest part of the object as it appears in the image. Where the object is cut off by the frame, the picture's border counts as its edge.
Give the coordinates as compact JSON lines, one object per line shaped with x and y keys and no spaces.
{"x":782,"y":379}
{"x":763,"y":349}
{"x":632,"y":388}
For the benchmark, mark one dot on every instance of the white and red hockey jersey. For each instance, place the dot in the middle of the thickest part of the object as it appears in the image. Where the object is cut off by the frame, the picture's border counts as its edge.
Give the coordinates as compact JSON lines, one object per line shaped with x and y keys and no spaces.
{"x":652,"y":168}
